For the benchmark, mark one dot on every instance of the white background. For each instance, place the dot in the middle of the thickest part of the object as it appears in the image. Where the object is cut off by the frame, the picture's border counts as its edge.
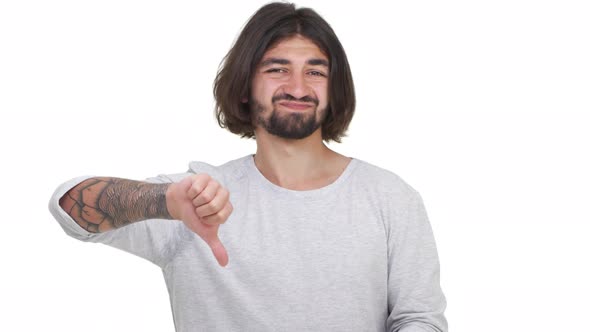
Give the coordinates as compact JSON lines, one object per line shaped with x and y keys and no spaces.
{"x":480,"y":106}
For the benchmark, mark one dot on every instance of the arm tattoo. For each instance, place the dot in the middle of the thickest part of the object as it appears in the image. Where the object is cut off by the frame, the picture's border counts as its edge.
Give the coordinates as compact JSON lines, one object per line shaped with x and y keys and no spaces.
{"x":101,"y":204}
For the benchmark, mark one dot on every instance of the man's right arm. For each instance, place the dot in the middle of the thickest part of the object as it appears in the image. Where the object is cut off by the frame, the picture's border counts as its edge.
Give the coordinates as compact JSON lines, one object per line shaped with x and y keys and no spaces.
{"x":102,"y":204}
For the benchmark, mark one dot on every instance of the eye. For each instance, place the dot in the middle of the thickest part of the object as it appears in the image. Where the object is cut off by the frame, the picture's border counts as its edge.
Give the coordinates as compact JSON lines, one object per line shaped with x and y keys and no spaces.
{"x":317,"y":73}
{"x":276,"y":70}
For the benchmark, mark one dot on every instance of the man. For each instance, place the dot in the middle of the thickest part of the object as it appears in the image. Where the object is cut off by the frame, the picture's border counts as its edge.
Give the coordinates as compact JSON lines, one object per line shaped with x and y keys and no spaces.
{"x":318,"y":241}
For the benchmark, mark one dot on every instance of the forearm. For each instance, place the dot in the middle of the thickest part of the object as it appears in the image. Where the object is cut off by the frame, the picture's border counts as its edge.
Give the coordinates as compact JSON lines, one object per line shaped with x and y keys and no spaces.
{"x":103,"y":203}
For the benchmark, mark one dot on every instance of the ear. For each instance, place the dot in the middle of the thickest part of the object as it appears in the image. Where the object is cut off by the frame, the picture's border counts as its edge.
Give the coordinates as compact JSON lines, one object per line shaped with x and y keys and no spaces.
{"x":244,"y":100}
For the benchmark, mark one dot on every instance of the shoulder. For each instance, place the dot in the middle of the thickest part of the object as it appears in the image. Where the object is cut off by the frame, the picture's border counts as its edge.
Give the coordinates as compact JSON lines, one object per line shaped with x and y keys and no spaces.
{"x":383,"y":182}
{"x":382,"y":178}
{"x":227,"y":172}
{"x":398,"y":203}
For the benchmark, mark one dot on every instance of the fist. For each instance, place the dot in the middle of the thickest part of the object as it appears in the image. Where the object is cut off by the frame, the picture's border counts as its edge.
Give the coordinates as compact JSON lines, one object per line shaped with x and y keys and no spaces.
{"x":202,"y":204}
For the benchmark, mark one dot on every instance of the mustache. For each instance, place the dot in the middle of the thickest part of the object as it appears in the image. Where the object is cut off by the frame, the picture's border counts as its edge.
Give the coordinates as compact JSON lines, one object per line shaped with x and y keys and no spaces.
{"x":288,"y":97}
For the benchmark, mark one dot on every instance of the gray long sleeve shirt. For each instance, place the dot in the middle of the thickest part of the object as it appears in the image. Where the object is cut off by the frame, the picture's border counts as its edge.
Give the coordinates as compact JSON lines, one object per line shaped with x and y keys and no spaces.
{"x":356,"y":255}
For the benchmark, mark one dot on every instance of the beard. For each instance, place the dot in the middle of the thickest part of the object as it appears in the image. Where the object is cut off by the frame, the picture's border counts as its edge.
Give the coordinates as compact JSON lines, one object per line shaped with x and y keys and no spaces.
{"x":290,"y":125}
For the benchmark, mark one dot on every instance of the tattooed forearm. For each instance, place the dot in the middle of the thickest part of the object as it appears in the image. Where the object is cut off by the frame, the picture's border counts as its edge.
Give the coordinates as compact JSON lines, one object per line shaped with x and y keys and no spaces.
{"x":102,"y":204}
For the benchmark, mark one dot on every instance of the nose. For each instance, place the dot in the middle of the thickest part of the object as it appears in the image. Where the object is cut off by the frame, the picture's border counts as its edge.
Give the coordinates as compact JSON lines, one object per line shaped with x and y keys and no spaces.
{"x":296,"y":86}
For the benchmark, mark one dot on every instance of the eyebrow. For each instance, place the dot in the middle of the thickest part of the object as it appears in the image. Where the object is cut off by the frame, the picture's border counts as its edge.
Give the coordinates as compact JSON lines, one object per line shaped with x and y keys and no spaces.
{"x":281,"y":61}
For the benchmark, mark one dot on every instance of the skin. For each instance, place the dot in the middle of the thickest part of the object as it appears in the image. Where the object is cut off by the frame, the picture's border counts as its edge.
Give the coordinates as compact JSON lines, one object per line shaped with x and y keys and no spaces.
{"x":102,"y":204}
{"x":290,"y":89}
{"x":290,"y":85}
{"x":96,"y":204}
{"x":297,"y":164}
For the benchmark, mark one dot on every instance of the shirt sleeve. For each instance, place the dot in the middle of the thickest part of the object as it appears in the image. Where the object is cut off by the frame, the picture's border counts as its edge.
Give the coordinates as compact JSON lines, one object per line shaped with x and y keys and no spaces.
{"x":416,"y":302}
{"x":156,"y":240}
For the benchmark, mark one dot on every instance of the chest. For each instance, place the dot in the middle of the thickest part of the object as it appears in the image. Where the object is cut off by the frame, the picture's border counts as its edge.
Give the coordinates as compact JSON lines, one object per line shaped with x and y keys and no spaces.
{"x":300,"y":240}
{"x":291,"y":260}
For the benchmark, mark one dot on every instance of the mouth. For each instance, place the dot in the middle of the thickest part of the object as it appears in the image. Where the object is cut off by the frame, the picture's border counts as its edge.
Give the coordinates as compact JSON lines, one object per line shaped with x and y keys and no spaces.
{"x":296,"y":106}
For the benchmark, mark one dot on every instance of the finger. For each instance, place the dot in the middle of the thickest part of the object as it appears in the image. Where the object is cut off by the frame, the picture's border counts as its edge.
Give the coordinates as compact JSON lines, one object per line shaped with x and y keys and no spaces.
{"x":199,"y":183}
{"x":220,"y":217}
{"x":207,"y":194}
{"x":186,"y":183}
{"x":215,"y":205}
{"x":218,"y":250}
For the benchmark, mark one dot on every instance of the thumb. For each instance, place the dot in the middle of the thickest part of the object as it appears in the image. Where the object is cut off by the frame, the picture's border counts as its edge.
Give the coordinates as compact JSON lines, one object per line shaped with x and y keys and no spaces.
{"x":218,"y":250}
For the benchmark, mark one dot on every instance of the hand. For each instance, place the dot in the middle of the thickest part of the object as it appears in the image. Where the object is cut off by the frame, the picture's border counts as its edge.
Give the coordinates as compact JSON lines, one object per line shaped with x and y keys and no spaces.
{"x":202,"y":204}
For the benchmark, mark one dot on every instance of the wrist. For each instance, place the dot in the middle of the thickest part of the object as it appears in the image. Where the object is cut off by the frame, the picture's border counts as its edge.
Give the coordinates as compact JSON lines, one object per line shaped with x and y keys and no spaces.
{"x":169,"y":198}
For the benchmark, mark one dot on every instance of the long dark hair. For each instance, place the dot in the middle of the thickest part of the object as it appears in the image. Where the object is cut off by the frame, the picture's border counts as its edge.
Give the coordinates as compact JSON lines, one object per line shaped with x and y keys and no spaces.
{"x":269,"y":25}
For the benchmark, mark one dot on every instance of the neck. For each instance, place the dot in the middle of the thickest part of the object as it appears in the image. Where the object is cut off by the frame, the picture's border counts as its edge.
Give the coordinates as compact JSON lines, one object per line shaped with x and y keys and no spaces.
{"x":303,"y":164}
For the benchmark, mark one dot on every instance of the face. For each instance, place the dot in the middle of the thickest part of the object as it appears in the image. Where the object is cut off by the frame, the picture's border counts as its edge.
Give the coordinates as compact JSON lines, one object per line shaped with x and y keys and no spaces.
{"x":290,"y":89}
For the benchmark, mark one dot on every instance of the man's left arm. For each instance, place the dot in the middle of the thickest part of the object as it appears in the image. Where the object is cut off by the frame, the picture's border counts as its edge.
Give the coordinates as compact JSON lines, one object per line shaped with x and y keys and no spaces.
{"x":416,"y":302}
